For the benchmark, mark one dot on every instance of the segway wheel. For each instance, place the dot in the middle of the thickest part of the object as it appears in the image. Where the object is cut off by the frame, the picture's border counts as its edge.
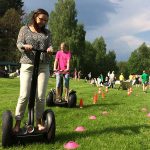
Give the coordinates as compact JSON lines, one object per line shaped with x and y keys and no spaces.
{"x":72,"y":100}
{"x":49,"y":119}
{"x":7,"y":124}
{"x":49,"y":99}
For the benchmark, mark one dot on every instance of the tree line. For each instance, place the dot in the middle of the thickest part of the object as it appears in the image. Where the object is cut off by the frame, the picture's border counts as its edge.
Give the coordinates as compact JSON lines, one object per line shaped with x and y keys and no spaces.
{"x":63,"y":23}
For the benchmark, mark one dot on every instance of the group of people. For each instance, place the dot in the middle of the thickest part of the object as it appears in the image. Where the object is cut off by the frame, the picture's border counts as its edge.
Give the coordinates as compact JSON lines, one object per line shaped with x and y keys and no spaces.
{"x":137,"y":80}
{"x":140,"y":79}
{"x":36,"y":36}
{"x":109,"y":80}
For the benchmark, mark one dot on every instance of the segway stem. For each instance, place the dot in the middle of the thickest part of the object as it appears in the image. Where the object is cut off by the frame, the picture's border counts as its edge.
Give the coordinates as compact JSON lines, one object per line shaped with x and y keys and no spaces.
{"x":33,"y":88}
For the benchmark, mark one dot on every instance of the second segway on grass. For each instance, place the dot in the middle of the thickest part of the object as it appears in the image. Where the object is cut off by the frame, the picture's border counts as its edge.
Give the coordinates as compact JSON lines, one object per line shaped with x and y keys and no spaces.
{"x":51,"y":97}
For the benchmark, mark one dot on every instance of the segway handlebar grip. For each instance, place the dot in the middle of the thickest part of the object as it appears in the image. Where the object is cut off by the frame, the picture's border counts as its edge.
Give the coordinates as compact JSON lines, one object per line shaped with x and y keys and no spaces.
{"x":61,"y":71}
{"x":38,"y":50}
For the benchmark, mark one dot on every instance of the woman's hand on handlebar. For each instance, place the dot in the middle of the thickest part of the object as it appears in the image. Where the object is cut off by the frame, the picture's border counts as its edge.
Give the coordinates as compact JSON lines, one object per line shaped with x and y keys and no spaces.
{"x":50,"y":50}
{"x":28,"y":47}
{"x":55,"y":70}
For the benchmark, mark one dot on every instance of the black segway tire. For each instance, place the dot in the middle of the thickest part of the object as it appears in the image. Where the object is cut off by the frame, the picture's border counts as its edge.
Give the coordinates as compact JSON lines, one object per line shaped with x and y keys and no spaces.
{"x":49,"y":120}
{"x":72,"y":100}
{"x":7,"y":124}
{"x":49,"y":99}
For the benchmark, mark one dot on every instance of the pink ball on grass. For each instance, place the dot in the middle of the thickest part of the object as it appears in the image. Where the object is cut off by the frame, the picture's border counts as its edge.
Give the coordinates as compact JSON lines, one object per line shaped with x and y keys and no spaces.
{"x":71,"y":145}
{"x":92,"y":117}
{"x":80,"y":129}
{"x":148,"y":115}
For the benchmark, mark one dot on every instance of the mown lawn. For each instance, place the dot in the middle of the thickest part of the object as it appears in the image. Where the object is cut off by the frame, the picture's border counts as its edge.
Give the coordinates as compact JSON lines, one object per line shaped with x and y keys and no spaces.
{"x":125,"y":127}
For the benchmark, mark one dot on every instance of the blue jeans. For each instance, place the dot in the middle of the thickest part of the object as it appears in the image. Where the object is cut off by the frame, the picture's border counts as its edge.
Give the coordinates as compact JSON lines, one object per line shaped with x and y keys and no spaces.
{"x":65,"y":78}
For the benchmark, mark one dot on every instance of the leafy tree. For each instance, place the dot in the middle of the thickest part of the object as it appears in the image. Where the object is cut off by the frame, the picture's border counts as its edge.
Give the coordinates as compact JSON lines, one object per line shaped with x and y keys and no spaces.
{"x":134,"y":62}
{"x":10,"y":21}
{"x":88,"y":59}
{"x":110,"y":62}
{"x":139,"y":59}
{"x":98,"y":61}
{"x":9,"y":25}
{"x":79,"y":44}
{"x":3,"y":7}
{"x":7,"y":4}
{"x":100,"y":47}
{"x":123,"y":68}
{"x":63,"y":21}
{"x":100,"y":52}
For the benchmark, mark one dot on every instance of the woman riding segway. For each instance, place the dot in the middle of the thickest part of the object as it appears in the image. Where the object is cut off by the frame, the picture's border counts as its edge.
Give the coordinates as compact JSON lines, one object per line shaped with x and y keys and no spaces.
{"x":33,"y":40}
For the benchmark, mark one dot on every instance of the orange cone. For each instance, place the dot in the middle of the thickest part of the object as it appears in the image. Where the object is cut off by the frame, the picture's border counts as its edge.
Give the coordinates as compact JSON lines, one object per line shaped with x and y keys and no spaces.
{"x":81,"y":103}
{"x":106,"y":89}
{"x":131,"y":90}
{"x":103,"y":95}
{"x":128,"y":92}
{"x":94,"y":99}
{"x":99,"y":91}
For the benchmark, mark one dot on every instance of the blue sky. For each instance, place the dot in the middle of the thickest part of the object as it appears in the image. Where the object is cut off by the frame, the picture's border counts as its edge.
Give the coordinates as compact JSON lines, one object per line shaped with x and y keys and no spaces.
{"x":124,"y":24}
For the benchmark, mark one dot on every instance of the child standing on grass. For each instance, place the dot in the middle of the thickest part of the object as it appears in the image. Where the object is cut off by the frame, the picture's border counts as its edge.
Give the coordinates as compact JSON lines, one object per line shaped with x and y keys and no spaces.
{"x":62,"y":63}
{"x":145,"y":80}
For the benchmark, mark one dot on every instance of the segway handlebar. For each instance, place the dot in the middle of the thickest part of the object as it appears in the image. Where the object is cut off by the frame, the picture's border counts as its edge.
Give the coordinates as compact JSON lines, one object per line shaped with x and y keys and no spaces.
{"x":61,"y":71}
{"x":44,"y":51}
{"x":39,"y":50}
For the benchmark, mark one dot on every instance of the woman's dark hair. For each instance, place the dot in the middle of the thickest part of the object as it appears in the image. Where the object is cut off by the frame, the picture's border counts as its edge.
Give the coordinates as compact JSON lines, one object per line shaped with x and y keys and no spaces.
{"x":33,"y":21}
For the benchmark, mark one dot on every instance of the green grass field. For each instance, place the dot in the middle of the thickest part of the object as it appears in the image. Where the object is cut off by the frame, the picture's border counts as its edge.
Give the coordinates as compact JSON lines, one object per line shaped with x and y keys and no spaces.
{"x":125,"y":127}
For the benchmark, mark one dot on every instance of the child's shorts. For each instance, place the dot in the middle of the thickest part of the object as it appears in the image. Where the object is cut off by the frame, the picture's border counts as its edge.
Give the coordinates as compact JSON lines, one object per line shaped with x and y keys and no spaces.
{"x":65,"y":78}
{"x":145,"y":83}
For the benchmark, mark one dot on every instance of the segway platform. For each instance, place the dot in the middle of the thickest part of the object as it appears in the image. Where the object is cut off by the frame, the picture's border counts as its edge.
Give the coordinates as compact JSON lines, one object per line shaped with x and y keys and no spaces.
{"x":51,"y":99}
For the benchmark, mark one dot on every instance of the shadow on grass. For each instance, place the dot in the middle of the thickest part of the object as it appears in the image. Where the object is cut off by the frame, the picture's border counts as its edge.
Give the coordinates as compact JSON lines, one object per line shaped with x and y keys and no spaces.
{"x":72,"y":136}
{"x":108,"y":104}
{"x":125,"y":130}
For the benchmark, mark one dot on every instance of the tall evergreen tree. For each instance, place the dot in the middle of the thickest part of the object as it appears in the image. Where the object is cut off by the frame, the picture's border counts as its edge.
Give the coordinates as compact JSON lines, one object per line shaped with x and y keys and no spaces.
{"x":123,"y":68}
{"x":63,"y":21}
{"x":10,"y":24}
{"x":104,"y":61}
{"x":140,"y":59}
{"x":3,"y":7}
{"x":64,"y":26}
{"x":88,"y":60}
{"x":110,"y":62}
{"x":7,"y":4}
{"x":100,"y":47}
